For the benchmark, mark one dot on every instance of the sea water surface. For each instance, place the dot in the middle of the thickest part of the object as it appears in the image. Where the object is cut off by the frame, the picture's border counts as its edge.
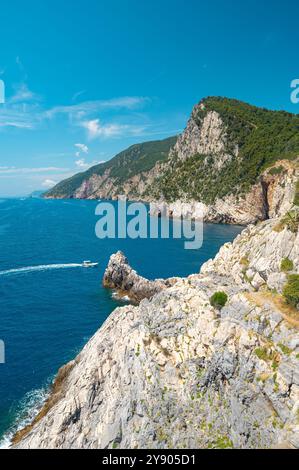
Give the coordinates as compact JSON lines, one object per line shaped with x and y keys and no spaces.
{"x":50,"y":305}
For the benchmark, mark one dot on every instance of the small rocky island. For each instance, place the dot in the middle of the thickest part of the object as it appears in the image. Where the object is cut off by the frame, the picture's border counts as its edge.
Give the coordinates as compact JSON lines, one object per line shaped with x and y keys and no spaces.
{"x":178,"y":370}
{"x":126,"y":282}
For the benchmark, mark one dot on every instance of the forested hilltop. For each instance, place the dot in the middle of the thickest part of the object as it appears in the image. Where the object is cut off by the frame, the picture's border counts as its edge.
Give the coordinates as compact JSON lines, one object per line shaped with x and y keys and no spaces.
{"x":239,"y":143}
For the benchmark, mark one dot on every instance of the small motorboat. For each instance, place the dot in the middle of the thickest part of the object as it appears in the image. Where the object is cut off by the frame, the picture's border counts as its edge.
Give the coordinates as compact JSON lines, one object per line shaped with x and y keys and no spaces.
{"x":89,"y":264}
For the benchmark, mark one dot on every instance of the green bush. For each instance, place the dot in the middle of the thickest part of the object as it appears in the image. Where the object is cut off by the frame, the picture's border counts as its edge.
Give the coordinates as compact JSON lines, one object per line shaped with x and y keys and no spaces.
{"x":285,"y":349}
{"x":291,"y":290}
{"x":218,"y":300}
{"x":244,"y":261}
{"x":286,"y":265}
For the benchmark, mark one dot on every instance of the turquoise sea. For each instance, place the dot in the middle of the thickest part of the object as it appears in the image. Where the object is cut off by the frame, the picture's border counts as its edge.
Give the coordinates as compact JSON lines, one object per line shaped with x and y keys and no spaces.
{"x":50,"y":305}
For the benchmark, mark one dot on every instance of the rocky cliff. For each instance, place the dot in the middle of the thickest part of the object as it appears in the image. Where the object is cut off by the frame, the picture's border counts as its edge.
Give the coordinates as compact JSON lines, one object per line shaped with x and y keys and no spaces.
{"x":270,"y":197}
{"x":237,"y":160}
{"x":177,"y":372}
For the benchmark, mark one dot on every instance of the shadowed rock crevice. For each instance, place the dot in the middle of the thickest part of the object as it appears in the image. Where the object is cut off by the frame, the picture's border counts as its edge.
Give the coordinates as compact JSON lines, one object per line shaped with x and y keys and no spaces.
{"x":265,"y":187}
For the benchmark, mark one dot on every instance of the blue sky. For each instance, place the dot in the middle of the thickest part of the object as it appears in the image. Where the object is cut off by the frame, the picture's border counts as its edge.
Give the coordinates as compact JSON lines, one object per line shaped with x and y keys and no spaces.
{"x":86,"y":79}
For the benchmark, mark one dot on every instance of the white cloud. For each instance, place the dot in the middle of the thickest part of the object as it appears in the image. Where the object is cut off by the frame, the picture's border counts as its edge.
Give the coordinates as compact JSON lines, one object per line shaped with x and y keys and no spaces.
{"x":82,"y":147}
{"x":89,"y":107}
{"x":15,"y":170}
{"x":47,"y":183}
{"x":18,"y":122}
{"x":84,"y":165}
{"x":24,"y":110}
{"x":96,"y":130}
{"x":23,"y":95}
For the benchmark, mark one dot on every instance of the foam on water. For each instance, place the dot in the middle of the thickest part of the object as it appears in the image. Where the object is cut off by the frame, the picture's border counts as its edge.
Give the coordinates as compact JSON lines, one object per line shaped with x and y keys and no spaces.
{"x":42,"y":267}
{"x":28,"y":408}
{"x":123,"y":298}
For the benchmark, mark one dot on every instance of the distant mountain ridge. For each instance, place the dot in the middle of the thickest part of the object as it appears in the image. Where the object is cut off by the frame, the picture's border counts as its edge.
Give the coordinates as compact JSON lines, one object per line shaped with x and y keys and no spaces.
{"x":238,"y":160}
{"x":38,"y":193}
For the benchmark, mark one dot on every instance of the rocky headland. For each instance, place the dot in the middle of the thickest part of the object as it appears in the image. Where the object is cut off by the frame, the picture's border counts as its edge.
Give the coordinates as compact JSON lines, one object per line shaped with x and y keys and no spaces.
{"x":176,"y":371}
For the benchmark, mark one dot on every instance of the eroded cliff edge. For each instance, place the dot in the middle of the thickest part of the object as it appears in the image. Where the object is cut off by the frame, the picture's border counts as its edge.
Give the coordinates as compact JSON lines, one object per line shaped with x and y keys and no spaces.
{"x":175,"y":372}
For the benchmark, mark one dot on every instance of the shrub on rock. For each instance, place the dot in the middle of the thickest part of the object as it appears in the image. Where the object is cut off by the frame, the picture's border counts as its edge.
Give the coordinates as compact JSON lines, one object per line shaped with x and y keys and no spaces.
{"x":286,"y":265}
{"x":218,"y":300}
{"x":291,"y":290}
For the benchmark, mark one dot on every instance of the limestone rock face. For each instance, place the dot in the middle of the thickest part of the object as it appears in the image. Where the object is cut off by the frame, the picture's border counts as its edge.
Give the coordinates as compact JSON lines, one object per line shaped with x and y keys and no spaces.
{"x":279,"y":188}
{"x":205,"y":138}
{"x":173,"y":372}
{"x":229,"y":210}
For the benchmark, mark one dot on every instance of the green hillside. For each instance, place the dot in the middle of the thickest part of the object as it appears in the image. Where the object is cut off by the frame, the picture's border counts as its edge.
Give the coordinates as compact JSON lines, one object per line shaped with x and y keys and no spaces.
{"x":134,"y":160}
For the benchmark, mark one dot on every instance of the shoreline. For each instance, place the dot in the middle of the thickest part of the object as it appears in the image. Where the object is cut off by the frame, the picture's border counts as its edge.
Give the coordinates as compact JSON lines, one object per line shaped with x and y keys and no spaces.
{"x":29,"y":410}
{"x":55,"y":392}
{"x":171,"y":214}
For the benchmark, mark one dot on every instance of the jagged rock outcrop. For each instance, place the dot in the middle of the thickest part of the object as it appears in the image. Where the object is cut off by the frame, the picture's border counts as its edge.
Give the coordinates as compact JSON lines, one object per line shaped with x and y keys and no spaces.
{"x":207,"y":137}
{"x":121,"y":277}
{"x":175,"y":372}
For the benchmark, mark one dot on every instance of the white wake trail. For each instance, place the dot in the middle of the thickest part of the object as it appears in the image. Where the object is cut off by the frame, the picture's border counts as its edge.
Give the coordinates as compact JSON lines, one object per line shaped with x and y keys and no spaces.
{"x":42,"y":267}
